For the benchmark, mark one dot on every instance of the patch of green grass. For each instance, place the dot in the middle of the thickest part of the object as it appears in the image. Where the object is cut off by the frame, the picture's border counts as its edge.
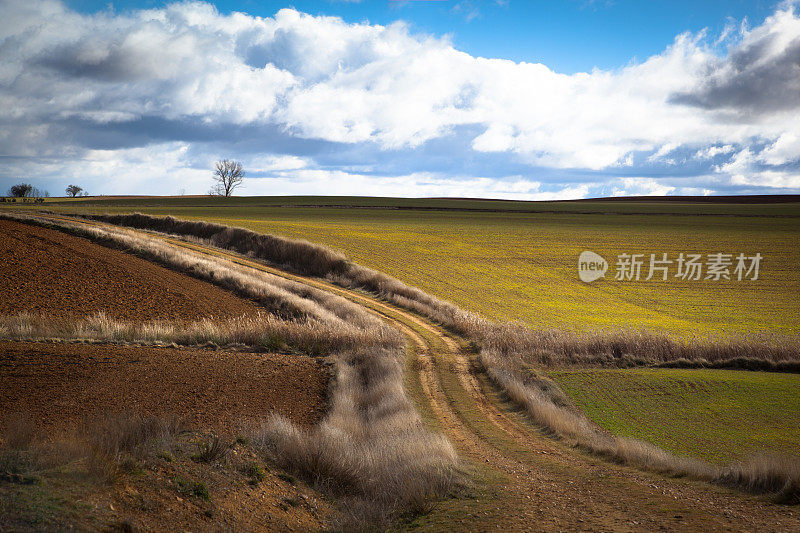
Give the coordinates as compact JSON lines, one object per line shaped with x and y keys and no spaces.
{"x":200,"y":490}
{"x":523,"y":265}
{"x":255,"y":472}
{"x":718,"y":415}
{"x":191,"y":488}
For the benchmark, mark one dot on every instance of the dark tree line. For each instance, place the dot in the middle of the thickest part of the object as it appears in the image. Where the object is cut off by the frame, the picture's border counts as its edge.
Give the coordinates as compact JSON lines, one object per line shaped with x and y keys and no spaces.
{"x":26,"y":190}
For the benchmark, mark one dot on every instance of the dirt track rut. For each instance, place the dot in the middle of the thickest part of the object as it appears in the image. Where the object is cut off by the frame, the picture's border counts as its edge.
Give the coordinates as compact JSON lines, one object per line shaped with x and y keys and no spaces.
{"x":527,"y":480}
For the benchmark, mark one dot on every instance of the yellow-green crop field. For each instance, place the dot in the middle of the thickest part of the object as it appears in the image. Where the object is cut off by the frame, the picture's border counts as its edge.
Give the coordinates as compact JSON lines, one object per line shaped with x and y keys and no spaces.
{"x":718,"y":415}
{"x":523,"y":265}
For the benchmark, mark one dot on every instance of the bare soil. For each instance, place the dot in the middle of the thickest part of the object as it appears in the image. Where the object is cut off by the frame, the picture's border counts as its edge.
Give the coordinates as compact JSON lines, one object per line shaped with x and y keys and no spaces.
{"x":62,"y":385}
{"x":48,"y":272}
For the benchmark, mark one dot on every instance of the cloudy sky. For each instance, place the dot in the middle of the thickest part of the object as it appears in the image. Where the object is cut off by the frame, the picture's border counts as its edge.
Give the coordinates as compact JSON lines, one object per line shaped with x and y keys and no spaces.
{"x":493,"y":98}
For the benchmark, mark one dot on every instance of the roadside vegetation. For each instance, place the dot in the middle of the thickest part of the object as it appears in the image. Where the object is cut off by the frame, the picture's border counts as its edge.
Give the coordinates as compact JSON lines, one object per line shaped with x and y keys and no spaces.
{"x":372,"y":451}
{"x":266,"y":332}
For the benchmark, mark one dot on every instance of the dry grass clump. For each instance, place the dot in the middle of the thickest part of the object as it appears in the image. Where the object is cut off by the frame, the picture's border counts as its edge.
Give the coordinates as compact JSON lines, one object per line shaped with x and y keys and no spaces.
{"x":764,"y":473}
{"x":114,"y":434}
{"x":115,"y":442}
{"x":372,"y":450}
{"x":18,"y":433}
{"x":310,"y":336}
{"x":19,"y":462}
{"x":106,"y":447}
{"x":211,"y":451}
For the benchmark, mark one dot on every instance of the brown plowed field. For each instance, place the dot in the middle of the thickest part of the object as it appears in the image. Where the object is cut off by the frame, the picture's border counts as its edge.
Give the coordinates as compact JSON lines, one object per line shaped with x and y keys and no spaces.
{"x":62,"y":385}
{"x":47,"y":272}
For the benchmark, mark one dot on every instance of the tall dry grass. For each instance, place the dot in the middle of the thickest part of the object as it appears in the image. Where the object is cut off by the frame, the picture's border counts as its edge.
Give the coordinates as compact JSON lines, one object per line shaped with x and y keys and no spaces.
{"x":372,"y":450}
{"x":115,"y":441}
{"x":629,"y":347}
{"x":310,"y":336}
{"x":102,"y":447}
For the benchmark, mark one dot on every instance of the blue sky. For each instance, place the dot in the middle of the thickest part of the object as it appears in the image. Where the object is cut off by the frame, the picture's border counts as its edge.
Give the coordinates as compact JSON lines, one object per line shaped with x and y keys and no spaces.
{"x":482,"y":98}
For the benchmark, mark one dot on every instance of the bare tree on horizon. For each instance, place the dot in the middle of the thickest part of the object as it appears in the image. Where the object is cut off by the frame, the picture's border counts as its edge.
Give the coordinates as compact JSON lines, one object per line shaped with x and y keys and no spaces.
{"x":73,"y":190}
{"x":228,"y":175}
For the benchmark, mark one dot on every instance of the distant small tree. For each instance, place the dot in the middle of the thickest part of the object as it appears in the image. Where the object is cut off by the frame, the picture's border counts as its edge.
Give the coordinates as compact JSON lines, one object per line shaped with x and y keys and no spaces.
{"x":74,"y":190}
{"x":21,"y":190}
{"x":227,"y":176}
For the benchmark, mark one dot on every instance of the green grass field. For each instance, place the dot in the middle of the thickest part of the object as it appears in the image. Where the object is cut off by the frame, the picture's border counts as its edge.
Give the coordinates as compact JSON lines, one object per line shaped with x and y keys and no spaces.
{"x":523,"y":265}
{"x":718,"y":415}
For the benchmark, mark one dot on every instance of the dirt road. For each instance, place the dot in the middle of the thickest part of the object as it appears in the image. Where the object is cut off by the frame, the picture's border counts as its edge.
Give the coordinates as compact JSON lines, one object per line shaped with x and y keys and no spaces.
{"x":526,"y":480}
